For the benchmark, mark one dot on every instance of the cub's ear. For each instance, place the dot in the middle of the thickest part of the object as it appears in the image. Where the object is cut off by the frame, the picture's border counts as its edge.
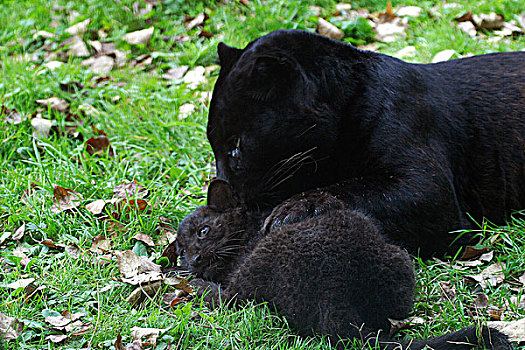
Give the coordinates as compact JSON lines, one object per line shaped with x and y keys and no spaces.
{"x":220,"y":195}
{"x":272,"y":75}
{"x":228,"y":55}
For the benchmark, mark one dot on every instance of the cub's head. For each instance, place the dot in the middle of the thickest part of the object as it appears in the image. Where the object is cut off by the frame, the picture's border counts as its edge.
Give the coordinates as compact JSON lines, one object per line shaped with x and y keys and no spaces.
{"x":274,"y":122}
{"x":210,"y":239}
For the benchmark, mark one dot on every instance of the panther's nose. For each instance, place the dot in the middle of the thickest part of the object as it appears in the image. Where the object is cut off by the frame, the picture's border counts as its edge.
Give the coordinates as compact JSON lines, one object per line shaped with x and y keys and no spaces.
{"x":195,"y":259}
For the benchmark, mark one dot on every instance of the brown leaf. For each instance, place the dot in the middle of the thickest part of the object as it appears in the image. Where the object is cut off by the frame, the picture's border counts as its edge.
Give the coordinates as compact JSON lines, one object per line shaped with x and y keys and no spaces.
{"x":19,"y":233}
{"x":56,"y":338}
{"x":55,"y":103}
{"x":329,"y":30}
{"x":137,"y":270}
{"x":466,"y":17}
{"x":10,"y":328}
{"x":79,"y":28}
{"x":144,"y":238}
{"x":492,"y":275}
{"x":175,"y":73}
{"x":197,"y":21}
{"x":131,"y":204}
{"x":195,"y":77}
{"x":130,"y":190}
{"x":140,"y":294}
{"x":100,"y":245}
{"x":98,"y":146}
{"x":141,"y":37}
{"x":151,"y":334}
{"x":481,"y":301}
{"x":471,"y":252}
{"x":411,"y":322}
{"x":41,"y":127}
{"x":71,"y":87}
{"x":50,"y":244}
{"x":11,"y":116}
{"x":65,"y":199}
{"x":21,"y":283}
{"x":73,"y":251}
{"x":179,"y":283}
{"x":100,"y":65}
{"x":491,"y":21}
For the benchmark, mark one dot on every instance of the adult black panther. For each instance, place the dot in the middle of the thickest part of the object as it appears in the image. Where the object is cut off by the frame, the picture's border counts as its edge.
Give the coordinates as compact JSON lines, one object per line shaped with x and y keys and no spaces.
{"x":419,"y":147}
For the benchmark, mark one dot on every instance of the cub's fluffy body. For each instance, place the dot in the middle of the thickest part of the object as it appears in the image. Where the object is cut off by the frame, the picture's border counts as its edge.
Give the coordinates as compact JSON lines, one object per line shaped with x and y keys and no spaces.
{"x":416,"y":146}
{"x":326,"y":269}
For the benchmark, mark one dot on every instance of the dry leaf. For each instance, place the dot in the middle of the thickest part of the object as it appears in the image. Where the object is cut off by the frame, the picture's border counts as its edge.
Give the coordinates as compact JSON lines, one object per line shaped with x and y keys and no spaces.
{"x":327,"y":29}
{"x":195,"y":77}
{"x":19,"y":233}
{"x":79,"y":28}
{"x":96,"y":207}
{"x":138,"y":296}
{"x":409,"y":51}
{"x":52,"y":65}
{"x":448,"y":290}
{"x":391,"y":31}
{"x":100,"y":65}
{"x":78,"y":48}
{"x":411,"y":11}
{"x":11,"y":116}
{"x":21,"y":283}
{"x":100,"y":245}
{"x":492,"y":275}
{"x":130,"y":190}
{"x":197,"y":21}
{"x":141,"y":37}
{"x":522,"y":279}
{"x":467,"y":27}
{"x":55,"y":103}
{"x":175,"y":73}
{"x":137,"y":270}
{"x":10,"y":328}
{"x":41,"y":127}
{"x":186,"y":110}
{"x":144,"y":238}
{"x":65,"y":199}
{"x":99,"y":145}
{"x":179,"y":283}
{"x":56,"y":338}
{"x":471,"y":252}
{"x":481,"y":301}
{"x":150,"y":334}
{"x":73,"y":251}
{"x":442,"y":56}
{"x":43,"y":34}
{"x":407,"y":323}
{"x":515,"y":330}
{"x":491,"y":21}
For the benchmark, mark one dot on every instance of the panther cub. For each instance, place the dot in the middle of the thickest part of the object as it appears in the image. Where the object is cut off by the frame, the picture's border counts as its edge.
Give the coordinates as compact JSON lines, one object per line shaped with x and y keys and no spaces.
{"x":329,"y":272}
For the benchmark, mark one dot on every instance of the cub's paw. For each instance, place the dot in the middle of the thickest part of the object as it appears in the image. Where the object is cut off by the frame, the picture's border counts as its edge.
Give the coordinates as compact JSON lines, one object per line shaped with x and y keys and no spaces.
{"x":210,"y":292}
{"x":301,"y":207}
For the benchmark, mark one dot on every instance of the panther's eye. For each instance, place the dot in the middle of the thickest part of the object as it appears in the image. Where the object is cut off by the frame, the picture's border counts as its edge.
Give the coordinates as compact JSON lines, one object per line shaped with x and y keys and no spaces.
{"x":204,"y":231}
{"x":234,"y":154}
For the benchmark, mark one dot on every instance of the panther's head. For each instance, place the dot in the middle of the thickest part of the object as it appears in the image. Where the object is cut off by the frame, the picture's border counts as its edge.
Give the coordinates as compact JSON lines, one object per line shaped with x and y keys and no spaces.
{"x":275,"y":122}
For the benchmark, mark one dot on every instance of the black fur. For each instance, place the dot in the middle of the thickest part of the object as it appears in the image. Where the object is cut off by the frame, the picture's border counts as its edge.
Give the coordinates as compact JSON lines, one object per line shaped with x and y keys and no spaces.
{"x":329,"y":272}
{"x":419,"y":147}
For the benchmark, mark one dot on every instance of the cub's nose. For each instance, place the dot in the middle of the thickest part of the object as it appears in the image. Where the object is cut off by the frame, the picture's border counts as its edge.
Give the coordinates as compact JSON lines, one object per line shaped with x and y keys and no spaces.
{"x":196,"y":259}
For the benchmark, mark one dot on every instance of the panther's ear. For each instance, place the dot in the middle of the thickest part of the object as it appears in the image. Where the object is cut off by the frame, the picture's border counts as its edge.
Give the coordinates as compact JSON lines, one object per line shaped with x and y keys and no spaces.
{"x":228,"y":55}
{"x":220,"y":196}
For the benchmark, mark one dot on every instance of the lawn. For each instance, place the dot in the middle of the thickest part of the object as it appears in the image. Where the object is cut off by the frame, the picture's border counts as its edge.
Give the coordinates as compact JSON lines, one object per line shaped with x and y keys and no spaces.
{"x":127,"y":126}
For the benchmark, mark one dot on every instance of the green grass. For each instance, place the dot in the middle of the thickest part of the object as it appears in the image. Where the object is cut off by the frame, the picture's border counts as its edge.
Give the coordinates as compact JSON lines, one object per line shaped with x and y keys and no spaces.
{"x":138,"y":110}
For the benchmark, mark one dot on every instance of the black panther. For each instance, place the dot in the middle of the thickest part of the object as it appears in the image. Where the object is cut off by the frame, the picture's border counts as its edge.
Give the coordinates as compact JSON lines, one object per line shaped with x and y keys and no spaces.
{"x":424,"y":149}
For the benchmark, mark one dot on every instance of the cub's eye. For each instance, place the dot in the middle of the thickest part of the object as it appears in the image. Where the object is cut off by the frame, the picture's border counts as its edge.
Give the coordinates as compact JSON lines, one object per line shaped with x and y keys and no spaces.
{"x":235,"y":153}
{"x":204,"y":231}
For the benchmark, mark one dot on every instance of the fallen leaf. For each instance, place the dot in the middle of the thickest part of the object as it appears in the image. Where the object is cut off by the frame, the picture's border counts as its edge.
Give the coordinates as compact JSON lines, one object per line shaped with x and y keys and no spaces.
{"x":10,"y":328}
{"x":100,"y":245}
{"x":197,"y":21}
{"x":471,"y":252}
{"x":186,"y":110}
{"x":99,"y":145}
{"x":41,"y":127}
{"x":137,"y":270}
{"x":144,"y":238}
{"x":448,"y":290}
{"x":43,"y":34}
{"x":55,"y":103}
{"x":481,"y":301}
{"x":65,"y":199}
{"x":79,"y":28}
{"x":11,"y":116}
{"x":515,"y":330}
{"x":407,"y":323}
{"x":140,"y":294}
{"x":19,"y":233}
{"x":175,"y":73}
{"x":50,"y":244}
{"x":491,"y":21}
{"x":52,"y":65}
{"x":411,"y":11}
{"x":522,"y":279}
{"x":150,"y":334}
{"x":71,"y":87}
{"x":391,"y":31}
{"x":100,"y":65}
{"x":56,"y":338}
{"x":130,"y":190}
{"x":329,"y":30}
{"x":409,"y":51}
{"x":138,"y":204}
{"x":444,"y":55}
{"x":467,"y":27}
{"x":73,"y":251}
{"x":492,"y":275}
{"x":97,"y":207}
{"x":78,"y":48}
{"x":141,"y":37}
{"x":195,"y":77}
{"x":179,"y":283}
